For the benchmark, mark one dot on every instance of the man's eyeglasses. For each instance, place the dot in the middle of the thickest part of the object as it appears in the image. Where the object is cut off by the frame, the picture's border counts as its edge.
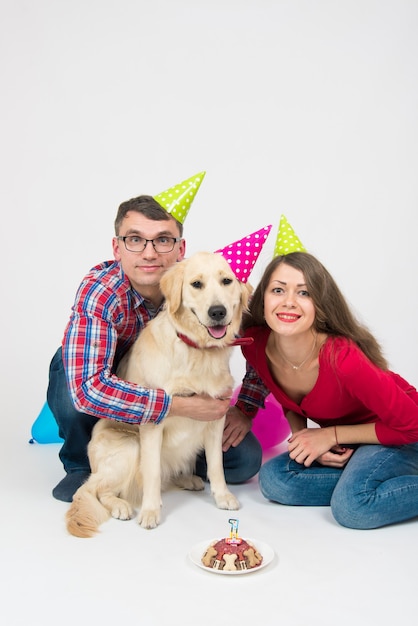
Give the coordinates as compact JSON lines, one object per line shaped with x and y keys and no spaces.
{"x":133,"y":243}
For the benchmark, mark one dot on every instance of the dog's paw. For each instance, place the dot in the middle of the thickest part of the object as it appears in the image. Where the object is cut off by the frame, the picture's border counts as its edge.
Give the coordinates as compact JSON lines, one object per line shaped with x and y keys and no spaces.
{"x":190,"y":482}
{"x":227,"y":501}
{"x":149,"y":519}
{"x":122,"y":510}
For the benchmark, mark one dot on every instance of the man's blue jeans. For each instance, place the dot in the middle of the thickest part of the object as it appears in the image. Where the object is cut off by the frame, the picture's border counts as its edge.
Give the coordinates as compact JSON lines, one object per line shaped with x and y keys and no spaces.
{"x":378,"y":486}
{"x":240,"y":463}
{"x":74,"y":427}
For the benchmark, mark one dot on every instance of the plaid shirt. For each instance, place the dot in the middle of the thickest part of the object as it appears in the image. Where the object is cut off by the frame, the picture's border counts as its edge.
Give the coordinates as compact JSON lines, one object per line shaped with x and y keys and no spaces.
{"x":107,"y":317}
{"x":252,"y":393}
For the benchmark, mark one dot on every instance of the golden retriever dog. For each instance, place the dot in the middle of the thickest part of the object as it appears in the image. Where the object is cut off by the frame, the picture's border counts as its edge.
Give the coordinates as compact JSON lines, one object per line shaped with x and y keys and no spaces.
{"x":185,"y":350}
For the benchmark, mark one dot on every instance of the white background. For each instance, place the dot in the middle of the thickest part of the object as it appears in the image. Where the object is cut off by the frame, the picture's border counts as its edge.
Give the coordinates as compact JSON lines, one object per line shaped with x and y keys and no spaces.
{"x":301,"y":107}
{"x":306,"y":108}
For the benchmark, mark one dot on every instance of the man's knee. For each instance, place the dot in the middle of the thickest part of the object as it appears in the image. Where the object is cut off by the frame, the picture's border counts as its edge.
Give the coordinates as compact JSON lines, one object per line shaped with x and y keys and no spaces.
{"x":244,"y":461}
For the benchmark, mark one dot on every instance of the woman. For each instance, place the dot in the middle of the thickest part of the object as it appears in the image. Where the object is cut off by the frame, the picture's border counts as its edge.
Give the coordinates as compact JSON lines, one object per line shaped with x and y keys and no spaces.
{"x":321,"y":364}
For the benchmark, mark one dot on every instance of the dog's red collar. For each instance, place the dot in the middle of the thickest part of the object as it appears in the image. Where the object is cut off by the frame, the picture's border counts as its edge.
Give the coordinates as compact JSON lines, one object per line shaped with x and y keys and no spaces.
{"x":242,"y":341}
{"x":238,"y":341}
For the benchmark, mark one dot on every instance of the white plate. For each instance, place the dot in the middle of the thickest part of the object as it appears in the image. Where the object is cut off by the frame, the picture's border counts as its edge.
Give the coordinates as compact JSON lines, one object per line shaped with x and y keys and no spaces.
{"x":200,"y":548}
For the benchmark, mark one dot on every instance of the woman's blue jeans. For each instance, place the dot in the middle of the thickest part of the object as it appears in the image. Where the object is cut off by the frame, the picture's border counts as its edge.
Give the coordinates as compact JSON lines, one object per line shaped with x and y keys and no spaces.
{"x":378,"y":486}
{"x":240,"y":463}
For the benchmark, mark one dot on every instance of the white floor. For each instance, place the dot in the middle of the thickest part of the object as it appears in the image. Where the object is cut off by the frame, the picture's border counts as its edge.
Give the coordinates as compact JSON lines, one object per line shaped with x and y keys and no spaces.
{"x":321,"y":572}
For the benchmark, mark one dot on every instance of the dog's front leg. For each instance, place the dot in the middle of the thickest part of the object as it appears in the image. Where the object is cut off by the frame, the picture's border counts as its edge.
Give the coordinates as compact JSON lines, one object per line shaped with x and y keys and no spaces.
{"x":213,"y":449}
{"x":151,"y":436}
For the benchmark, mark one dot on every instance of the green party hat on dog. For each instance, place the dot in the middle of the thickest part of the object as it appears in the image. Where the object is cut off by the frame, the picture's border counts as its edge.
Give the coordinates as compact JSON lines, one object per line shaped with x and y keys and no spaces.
{"x":287,"y":241}
{"x":177,"y":200}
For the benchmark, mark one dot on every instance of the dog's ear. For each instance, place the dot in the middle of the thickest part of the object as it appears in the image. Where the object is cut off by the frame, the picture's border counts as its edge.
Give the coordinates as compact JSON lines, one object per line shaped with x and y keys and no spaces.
{"x":246,"y":291}
{"x":171,"y":285}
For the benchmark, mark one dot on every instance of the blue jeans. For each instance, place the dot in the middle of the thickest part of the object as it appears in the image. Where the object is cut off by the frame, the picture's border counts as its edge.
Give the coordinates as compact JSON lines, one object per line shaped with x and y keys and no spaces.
{"x":240,"y":463}
{"x":377,"y":487}
{"x":74,"y":427}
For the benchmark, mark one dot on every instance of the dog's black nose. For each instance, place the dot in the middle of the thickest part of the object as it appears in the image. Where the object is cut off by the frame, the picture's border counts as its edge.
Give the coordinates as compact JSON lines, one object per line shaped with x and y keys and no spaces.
{"x":217,"y":313}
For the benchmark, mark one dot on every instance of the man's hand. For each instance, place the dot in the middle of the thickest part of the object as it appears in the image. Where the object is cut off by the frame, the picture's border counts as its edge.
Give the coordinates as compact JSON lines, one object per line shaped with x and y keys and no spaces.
{"x":237,"y":425}
{"x":201,"y":407}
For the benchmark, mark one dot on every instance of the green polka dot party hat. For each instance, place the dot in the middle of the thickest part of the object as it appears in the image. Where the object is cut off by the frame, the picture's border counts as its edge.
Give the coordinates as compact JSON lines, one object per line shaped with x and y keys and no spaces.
{"x":177,"y":200}
{"x":287,"y":241}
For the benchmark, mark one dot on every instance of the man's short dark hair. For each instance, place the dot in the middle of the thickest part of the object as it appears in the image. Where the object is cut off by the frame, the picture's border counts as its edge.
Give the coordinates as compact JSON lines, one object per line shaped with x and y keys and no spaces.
{"x":148,"y":207}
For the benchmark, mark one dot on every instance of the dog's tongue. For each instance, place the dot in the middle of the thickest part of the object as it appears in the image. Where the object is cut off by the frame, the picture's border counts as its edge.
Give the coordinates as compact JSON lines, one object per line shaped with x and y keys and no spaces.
{"x":217,"y":332}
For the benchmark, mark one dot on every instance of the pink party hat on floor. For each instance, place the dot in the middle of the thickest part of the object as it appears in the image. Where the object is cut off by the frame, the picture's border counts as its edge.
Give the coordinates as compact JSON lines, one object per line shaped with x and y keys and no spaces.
{"x":242,"y":254}
{"x":177,"y":200}
{"x":287,"y":241}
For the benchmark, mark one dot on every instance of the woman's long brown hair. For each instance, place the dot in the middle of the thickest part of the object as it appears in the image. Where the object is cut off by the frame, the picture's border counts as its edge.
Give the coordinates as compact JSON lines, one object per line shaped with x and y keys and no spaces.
{"x":332,"y":313}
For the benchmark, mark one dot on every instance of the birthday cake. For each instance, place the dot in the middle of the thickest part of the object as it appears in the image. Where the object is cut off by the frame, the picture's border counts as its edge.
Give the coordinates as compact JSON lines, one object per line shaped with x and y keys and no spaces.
{"x":232,"y":553}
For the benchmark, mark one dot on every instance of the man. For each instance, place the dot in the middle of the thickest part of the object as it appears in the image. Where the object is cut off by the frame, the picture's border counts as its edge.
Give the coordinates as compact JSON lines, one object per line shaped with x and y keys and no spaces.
{"x":113,"y":303}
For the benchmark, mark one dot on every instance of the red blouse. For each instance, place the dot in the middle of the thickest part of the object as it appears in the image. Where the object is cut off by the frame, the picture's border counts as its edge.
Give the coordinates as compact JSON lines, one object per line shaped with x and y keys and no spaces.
{"x":350,"y":389}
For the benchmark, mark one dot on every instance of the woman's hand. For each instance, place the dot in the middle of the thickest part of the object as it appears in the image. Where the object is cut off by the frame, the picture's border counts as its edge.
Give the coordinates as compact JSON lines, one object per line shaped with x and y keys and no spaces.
{"x":317,"y":444}
{"x":338,"y":457}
